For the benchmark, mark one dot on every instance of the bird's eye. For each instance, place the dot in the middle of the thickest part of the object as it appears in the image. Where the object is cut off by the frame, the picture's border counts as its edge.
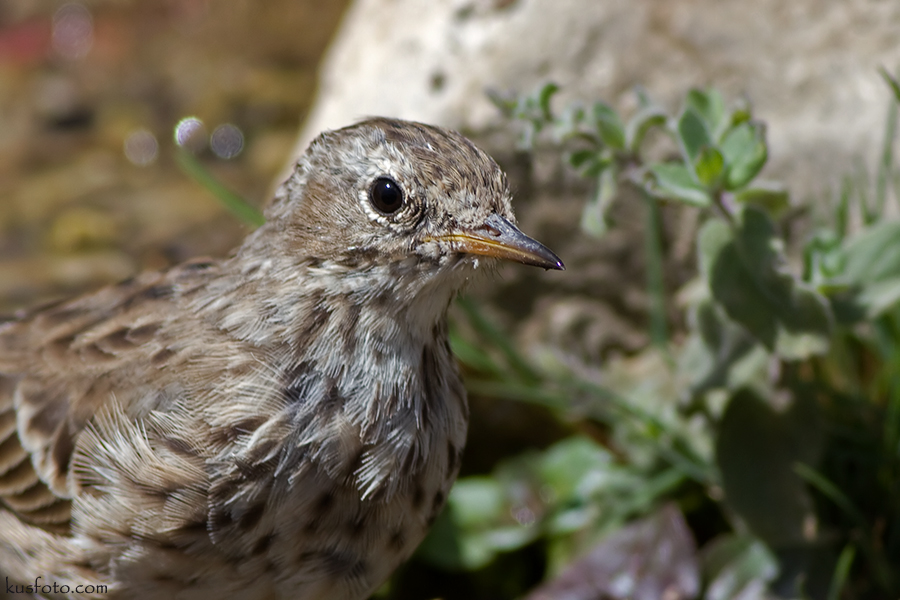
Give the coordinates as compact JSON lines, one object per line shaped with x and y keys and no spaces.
{"x":386,"y":195}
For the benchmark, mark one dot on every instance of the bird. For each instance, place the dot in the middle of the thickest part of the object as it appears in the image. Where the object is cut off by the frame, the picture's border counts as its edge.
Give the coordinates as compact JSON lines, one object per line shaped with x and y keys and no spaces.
{"x":285,"y":422}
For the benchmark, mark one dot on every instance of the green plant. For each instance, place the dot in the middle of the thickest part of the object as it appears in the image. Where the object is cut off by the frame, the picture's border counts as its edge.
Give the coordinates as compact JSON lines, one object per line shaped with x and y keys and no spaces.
{"x":776,"y":429}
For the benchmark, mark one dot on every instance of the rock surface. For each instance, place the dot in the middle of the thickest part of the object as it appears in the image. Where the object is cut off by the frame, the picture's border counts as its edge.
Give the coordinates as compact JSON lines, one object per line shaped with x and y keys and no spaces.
{"x":809,"y":66}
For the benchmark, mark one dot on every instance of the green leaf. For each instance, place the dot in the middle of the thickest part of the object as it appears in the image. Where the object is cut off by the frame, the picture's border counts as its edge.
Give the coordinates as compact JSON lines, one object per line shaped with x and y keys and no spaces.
{"x":724,"y":343}
{"x":745,"y":152}
{"x":572,"y":124}
{"x":709,"y":166}
{"x":609,"y":126}
{"x":565,"y":465}
{"x":740,"y":115}
{"x":738,"y":566}
{"x":866,"y":273}
{"x":823,"y":261}
{"x":841,"y":572}
{"x":756,"y":451}
{"x":673,"y":181}
{"x":770,"y":196}
{"x":745,"y":269}
{"x":873,"y":254}
{"x":544,"y":96}
{"x":580,"y":158}
{"x":693,"y":134}
{"x":708,"y":105}
{"x":476,"y":501}
{"x":878,"y":297}
{"x":594,"y":215}
{"x":589,"y":162}
{"x":643,"y":121}
{"x":533,"y":110}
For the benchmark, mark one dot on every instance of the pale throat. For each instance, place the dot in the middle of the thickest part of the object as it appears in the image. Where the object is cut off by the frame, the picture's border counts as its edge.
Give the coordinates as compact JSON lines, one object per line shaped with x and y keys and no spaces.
{"x":336,"y":313}
{"x":403,"y":300}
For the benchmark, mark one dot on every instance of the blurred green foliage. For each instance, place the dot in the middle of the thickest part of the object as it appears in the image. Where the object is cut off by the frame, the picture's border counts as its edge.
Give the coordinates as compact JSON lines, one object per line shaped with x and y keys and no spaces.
{"x":773,"y":424}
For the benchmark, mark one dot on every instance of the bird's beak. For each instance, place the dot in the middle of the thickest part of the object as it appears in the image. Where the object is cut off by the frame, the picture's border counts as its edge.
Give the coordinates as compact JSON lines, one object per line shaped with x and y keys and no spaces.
{"x":499,"y":238}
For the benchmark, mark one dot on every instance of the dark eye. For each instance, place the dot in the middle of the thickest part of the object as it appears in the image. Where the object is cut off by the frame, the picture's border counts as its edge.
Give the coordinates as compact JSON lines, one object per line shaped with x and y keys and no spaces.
{"x":386,"y":195}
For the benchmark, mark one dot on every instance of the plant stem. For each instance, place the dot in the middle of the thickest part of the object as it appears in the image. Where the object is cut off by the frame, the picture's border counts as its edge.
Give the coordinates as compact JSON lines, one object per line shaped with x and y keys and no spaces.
{"x":239,"y":207}
{"x":656,"y":289}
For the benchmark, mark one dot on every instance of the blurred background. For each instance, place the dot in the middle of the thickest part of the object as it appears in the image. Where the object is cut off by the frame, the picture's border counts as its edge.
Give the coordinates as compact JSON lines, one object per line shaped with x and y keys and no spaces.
{"x":90,"y":96}
{"x":601,"y":459}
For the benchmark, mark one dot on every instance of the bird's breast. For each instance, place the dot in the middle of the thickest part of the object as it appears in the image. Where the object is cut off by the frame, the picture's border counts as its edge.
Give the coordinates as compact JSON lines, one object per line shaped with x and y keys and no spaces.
{"x":370,"y":432}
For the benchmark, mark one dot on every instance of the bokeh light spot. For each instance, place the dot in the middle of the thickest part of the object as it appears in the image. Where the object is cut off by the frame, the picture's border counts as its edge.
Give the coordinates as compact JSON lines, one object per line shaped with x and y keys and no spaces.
{"x":141,"y":147}
{"x":227,"y":141}
{"x":524,"y":515}
{"x":190,"y":133}
{"x":73,"y":31}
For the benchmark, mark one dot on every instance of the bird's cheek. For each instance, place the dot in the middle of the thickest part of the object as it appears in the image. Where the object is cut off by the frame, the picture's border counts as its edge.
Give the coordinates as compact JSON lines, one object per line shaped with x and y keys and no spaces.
{"x":431,"y":250}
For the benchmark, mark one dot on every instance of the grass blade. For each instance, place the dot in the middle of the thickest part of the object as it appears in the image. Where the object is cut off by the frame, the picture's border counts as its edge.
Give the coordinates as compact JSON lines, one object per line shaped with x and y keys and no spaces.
{"x":885,"y":164}
{"x":833,"y":493}
{"x":500,"y":340}
{"x":892,"y":82}
{"x":233,"y":202}
{"x":841,"y":572}
{"x":656,"y":289}
{"x":830,"y":491}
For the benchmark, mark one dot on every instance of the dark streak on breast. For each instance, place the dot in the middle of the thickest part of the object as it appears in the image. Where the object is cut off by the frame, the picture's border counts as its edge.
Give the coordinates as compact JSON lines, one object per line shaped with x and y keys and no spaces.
{"x":312,"y":327}
{"x":296,"y":386}
{"x":348,"y":328}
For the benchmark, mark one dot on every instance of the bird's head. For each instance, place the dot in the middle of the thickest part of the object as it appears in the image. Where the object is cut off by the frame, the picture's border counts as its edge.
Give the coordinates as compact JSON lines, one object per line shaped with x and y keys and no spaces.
{"x":392,"y":210}
{"x":386,"y":191}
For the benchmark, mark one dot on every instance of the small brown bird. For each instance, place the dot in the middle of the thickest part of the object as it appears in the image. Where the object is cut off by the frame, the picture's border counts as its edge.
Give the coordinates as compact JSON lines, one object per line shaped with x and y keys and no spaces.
{"x":285,"y":423}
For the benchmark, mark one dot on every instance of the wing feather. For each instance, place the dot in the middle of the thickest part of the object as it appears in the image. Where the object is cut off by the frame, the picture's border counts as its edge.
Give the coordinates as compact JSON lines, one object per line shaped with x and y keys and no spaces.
{"x":63,"y":365}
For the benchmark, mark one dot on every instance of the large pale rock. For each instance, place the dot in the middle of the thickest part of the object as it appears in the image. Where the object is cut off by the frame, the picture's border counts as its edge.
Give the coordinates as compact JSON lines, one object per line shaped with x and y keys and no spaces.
{"x":808,"y":66}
